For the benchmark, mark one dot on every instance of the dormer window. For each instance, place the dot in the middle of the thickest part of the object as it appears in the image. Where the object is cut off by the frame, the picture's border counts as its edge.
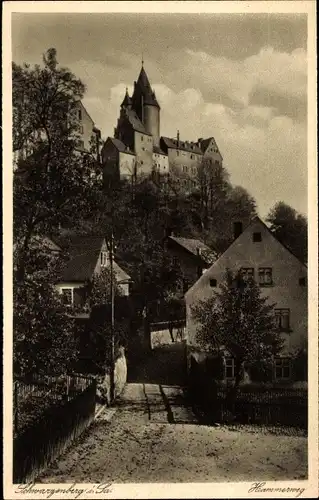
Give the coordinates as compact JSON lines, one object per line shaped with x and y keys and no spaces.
{"x":103,"y":259}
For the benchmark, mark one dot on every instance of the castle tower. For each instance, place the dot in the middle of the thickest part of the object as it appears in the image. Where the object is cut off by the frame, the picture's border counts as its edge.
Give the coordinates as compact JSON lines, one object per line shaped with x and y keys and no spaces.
{"x":145,"y":105}
{"x":127,"y":101}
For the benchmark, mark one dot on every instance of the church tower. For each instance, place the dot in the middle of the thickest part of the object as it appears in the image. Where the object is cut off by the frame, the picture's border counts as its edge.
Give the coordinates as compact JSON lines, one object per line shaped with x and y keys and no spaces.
{"x":145,"y":105}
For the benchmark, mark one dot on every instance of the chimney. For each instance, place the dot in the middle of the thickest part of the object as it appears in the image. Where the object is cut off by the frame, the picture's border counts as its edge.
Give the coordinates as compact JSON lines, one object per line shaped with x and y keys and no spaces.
{"x":237,"y":229}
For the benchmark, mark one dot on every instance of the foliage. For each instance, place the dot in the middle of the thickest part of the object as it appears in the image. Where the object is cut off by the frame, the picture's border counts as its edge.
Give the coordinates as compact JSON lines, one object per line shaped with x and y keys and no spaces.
{"x":43,"y":336}
{"x":239,"y":320}
{"x":52,"y":180}
{"x":290,"y":228}
{"x":100,"y":292}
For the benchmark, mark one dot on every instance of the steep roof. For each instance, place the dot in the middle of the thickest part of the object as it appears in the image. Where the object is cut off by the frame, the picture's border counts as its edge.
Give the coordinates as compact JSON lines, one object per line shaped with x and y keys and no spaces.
{"x":159,"y":151}
{"x":204,"y":143}
{"x":84,"y":253}
{"x":143,"y":86}
{"x":120,"y":146}
{"x":194,"y":246}
{"x":191,"y":147}
{"x":127,"y":101}
{"x":136,"y":122}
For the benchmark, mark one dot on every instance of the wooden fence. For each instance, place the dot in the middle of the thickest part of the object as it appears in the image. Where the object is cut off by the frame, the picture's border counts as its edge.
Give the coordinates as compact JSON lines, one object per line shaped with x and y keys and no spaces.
{"x":252,"y":405}
{"x":61,"y":419}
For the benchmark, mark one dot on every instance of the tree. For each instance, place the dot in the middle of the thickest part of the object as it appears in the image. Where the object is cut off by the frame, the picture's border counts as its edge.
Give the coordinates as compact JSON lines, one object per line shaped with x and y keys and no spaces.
{"x":100,"y":292}
{"x":290,"y":228}
{"x":51,"y":179}
{"x":43,"y":334}
{"x":239,"y":320}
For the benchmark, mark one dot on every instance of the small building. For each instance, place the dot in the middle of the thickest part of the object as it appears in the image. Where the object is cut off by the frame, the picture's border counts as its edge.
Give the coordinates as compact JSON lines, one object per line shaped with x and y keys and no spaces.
{"x":88,"y":256}
{"x":191,"y":255}
{"x":257,"y":253}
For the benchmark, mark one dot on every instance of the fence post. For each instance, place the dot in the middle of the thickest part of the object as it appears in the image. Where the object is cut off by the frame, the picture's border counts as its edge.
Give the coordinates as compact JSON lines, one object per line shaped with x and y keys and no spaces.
{"x":16,"y":416}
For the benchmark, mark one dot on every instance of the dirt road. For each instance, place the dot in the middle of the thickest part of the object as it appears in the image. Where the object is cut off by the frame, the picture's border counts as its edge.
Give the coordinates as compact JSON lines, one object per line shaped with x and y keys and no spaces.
{"x":154,"y":437}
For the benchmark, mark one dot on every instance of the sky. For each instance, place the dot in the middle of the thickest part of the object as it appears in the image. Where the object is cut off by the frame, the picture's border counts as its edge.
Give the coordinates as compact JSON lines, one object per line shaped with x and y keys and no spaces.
{"x":239,"y":78}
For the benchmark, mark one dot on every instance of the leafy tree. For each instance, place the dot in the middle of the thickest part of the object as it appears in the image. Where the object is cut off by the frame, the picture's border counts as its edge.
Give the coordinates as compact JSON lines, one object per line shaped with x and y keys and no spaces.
{"x":51,"y":182}
{"x":290,"y":228}
{"x":100,"y":292}
{"x":239,"y":320}
{"x":43,"y":335}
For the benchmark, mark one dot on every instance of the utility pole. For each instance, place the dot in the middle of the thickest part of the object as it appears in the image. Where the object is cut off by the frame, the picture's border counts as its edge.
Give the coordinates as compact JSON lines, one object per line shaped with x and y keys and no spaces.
{"x":112,"y":384}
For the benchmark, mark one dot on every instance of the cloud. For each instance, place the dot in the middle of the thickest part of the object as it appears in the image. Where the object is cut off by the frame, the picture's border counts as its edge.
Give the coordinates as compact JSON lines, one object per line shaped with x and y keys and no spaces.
{"x":271,"y":71}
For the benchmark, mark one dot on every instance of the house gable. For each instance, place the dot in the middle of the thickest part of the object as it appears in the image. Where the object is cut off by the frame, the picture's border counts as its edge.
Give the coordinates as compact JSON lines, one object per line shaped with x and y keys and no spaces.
{"x":257,"y":249}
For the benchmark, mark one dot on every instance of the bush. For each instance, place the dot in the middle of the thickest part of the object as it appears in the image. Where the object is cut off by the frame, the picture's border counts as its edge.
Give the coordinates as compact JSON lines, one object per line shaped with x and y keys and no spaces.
{"x":261,"y":371}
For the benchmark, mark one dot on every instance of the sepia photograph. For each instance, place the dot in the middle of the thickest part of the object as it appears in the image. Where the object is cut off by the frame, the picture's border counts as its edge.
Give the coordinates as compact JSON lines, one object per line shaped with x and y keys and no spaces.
{"x":160,"y":201}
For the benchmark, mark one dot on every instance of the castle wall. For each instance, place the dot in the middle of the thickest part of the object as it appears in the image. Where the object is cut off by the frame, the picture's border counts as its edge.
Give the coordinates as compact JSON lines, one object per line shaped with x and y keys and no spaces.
{"x":160,"y":163}
{"x":86,"y":125}
{"x":110,"y":161}
{"x":143,"y":147}
{"x":126,"y":164}
{"x":152,"y":122}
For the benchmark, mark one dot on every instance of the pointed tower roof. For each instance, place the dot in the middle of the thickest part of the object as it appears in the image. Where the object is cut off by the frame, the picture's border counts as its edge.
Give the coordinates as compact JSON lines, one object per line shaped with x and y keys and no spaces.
{"x":127,"y":100}
{"x":143,"y":80}
{"x":144,"y":87}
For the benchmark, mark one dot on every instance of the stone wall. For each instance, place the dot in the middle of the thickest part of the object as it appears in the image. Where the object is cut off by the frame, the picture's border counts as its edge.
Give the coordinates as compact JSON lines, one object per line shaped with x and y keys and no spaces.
{"x":120,"y":378}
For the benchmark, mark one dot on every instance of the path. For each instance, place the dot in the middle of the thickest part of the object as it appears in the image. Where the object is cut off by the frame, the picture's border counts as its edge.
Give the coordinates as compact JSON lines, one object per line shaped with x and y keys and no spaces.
{"x":154,"y":437}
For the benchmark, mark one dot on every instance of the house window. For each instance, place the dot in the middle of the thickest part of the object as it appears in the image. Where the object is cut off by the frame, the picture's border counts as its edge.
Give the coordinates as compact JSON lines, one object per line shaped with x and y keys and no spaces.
{"x":302,"y":281}
{"x":265,"y":276}
{"x":213,"y":282}
{"x":175,"y":261}
{"x":229,"y":368}
{"x":103,"y":259}
{"x":80,"y":114}
{"x":192,"y":157}
{"x":282,"y":319}
{"x":282,"y":368}
{"x":142,"y":138}
{"x":67,"y":296}
{"x":177,"y":153}
{"x":247,"y":273}
{"x":256,"y":237}
{"x":81,"y":130}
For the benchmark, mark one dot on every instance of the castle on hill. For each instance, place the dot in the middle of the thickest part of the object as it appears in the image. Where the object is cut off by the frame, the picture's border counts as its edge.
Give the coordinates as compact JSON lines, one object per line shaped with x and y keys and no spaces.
{"x":137,"y":147}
